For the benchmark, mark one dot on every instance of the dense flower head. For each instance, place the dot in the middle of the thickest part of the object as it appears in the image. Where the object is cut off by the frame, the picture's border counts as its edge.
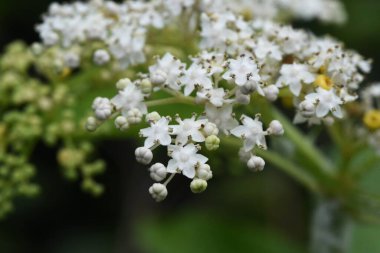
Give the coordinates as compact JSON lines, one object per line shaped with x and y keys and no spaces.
{"x":240,"y":61}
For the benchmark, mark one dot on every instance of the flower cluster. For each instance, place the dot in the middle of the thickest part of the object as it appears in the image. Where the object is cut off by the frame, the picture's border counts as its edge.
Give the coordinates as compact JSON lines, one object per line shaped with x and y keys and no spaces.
{"x":119,"y":29}
{"x":318,"y":72}
{"x":239,"y":62}
{"x":324,"y":10}
{"x":117,"y":32}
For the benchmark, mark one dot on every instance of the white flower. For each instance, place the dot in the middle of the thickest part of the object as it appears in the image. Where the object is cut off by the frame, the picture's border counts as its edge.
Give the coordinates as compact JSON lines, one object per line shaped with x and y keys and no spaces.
{"x":251,"y":132}
{"x":242,"y":70}
{"x":102,"y":108}
{"x":222,"y":117}
{"x":265,"y":48}
{"x":158,"y":192}
{"x":168,"y":69}
{"x":188,"y":128}
{"x":294,"y":75}
{"x":325,"y":100}
{"x":196,"y":75}
{"x":185,"y":159}
{"x":214,"y":96}
{"x":158,"y":172}
{"x":129,"y":98}
{"x":157,"y":133}
{"x":143,"y":155}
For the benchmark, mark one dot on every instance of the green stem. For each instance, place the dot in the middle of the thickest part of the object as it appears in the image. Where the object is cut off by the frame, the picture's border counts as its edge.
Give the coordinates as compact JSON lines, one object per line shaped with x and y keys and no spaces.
{"x":171,"y":100}
{"x":324,"y":167}
{"x":286,"y":165}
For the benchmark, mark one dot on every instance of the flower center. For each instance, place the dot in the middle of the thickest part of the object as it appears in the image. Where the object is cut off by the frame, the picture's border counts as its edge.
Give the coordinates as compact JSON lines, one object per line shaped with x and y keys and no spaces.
{"x":372,"y":119}
{"x":324,"y":82}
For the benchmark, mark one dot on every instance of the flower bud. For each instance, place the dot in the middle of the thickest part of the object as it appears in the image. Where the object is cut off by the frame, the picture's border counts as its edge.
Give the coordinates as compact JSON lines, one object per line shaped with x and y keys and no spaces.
{"x":158,"y":192}
{"x":134,"y":116}
{"x":275,"y":128}
{"x":122,"y":83}
{"x":146,"y":86}
{"x":212,"y":142}
{"x":210,"y":129}
{"x":152,"y":117}
{"x":204,"y":172}
{"x":102,"y":108}
{"x":158,"y":78}
{"x":91,"y":124}
{"x":256,"y":163}
{"x":143,"y":155}
{"x":121,"y":123}
{"x":248,"y":88}
{"x":158,"y":172}
{"x":198,"y":185}
{"x":72,"y":60}
{"x":241,"y":98}
{"x":271,"y":92}
{"x":307,"y":109}
{"x":101,"y":57}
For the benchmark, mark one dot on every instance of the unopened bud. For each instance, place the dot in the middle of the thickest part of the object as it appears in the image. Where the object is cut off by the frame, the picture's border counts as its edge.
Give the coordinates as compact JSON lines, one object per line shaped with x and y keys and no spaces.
{"x":198,"y":185}
{"x":158,"y":192}
{"x":143,"y":155}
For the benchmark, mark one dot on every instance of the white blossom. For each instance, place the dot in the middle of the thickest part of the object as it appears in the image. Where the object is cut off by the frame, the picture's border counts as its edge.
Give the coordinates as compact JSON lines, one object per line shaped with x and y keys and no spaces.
{"x":185,"y":159}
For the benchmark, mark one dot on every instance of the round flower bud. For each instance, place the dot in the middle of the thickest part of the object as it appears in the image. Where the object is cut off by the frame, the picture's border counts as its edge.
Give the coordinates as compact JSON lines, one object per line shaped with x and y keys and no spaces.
{"x":143,"y":155}
{"x":241,"y":98}
{"x":122,"y":83}
{"x":102,"y":108}
{"x":152,"y":117}
{"x":198,"y":185}
{"x":158,"y":172}
{"x":91,"y":124}
{"x":248,"y":88}
{"x":204,"y":172}
{"x":134,"y":116}
{"x":328,"y":120}
{"x":158,"y":192}
{"x":121,"y":123}
{"x":212,"y":142}
{"x":307,"y":109}
{"x":271,"y":92}
{"x":101,"y":57}
{"x":275,"y":128}
{"x":37,"y":49}
{"x":158,"y":77}
{"x":72,"y":60}
{"x":146,"y":86}
{"x":256,"y":163}
{"x":210,"y":129}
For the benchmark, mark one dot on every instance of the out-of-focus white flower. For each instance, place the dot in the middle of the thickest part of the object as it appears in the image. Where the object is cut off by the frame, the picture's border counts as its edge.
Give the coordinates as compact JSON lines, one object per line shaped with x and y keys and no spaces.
{"x":326,"y":101}
{"x":251,"y":132}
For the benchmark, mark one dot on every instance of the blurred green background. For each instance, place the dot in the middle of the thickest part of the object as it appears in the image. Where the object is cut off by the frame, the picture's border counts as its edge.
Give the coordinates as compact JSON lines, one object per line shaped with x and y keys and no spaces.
{"x":240,"y":211}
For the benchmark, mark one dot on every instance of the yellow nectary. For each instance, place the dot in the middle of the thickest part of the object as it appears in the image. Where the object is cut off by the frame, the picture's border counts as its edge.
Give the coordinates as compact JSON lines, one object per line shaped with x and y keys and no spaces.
{"x":372,"y":119}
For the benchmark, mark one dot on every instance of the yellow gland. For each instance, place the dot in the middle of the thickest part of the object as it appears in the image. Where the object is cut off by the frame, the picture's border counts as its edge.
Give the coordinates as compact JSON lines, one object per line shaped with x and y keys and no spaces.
{"x":324,"y":82}
{"x":372,"y":119}
{"x":65,"y":72}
